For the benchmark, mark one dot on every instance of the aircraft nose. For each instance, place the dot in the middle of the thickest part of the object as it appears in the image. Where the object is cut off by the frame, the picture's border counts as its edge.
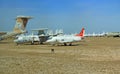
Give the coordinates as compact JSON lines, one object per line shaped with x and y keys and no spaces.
{"x":15,"y":41}
{"x":48,"y":41}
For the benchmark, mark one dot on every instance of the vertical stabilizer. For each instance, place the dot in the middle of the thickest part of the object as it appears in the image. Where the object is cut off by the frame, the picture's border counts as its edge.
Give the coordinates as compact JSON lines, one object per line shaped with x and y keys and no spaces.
{"x":81,"y":34}
{"x":21,"y":22}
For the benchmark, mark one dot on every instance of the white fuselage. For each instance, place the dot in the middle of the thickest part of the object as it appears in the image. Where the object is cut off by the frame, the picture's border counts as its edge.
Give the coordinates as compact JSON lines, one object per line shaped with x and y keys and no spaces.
{"x":64,"y":39}
{"x":29,"y":38}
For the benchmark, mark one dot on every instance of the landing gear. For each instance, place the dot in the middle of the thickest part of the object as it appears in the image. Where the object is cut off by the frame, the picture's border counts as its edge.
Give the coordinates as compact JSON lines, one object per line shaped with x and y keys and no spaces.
{"x":41,"y":43}
{"x":32,"y":42}
{"x":65,"y":44}
{"x":70,"y":44}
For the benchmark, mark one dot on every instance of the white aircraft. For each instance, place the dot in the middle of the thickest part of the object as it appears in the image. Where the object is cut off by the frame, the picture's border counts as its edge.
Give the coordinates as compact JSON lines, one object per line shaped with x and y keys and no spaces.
{"x":21,"y":22}
{"x":27,"y":38}
{"x":96,"y":34}
{"x":66,"y":39}
{"x":40,"y":37}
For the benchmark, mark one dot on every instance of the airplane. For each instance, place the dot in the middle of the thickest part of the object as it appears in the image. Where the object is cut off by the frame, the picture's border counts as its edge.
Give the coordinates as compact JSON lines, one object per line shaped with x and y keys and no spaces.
{"x":38,"y":35}
{"x":21,"y":22}
{"x":113,"y":34}
{"x":66,"y":39}
{"x":96,"y":34}
{"x":27,"y":38}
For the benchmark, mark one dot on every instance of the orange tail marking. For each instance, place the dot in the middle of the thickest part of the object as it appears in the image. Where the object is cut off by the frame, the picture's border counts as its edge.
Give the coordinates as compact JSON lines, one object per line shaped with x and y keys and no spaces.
{"x":81,"y":34}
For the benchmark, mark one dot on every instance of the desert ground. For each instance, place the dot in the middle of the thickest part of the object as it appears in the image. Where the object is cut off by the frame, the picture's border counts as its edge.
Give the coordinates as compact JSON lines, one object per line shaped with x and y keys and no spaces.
{"x":93,"y":55}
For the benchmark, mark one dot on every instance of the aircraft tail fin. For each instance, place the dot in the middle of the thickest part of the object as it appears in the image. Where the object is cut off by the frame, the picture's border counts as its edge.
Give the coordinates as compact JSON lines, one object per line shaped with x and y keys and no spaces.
{"x":21,"y":23}
{"x":81,"y":34}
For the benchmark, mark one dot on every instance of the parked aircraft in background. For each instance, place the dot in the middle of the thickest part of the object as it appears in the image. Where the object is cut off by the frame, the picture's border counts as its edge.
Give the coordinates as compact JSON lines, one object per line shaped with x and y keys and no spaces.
{"x":113,"y":34}
{"x":21,"y":22}
{"x":38,"y":35}
{"x":95,"y":34}
{"x":27,"y":38}
{"x":66,"y":39}
{"x":57,"y":32}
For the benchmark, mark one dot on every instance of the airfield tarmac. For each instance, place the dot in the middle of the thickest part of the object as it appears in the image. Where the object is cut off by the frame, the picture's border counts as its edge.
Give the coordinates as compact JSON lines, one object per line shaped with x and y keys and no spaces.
{"x":93,"y":55}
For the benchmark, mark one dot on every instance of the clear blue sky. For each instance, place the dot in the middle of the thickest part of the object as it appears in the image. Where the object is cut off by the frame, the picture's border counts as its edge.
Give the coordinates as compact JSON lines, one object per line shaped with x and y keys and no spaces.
{"x":69,"y":15}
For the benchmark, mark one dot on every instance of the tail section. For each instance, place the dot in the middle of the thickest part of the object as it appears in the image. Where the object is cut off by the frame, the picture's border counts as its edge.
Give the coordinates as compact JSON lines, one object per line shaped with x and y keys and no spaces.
{"x":21,"y":22}
{"x":81,"y":34}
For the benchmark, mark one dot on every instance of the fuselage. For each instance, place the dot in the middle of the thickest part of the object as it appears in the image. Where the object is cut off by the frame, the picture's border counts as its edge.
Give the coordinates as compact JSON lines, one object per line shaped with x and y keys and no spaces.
{"x":29,"y":38}
{"x":67,"y":38}
{"x":64,"y":39}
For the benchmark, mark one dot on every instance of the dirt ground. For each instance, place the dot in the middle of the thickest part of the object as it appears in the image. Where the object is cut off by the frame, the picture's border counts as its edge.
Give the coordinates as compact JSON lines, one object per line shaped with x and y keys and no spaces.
{"x":95,"y":55}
